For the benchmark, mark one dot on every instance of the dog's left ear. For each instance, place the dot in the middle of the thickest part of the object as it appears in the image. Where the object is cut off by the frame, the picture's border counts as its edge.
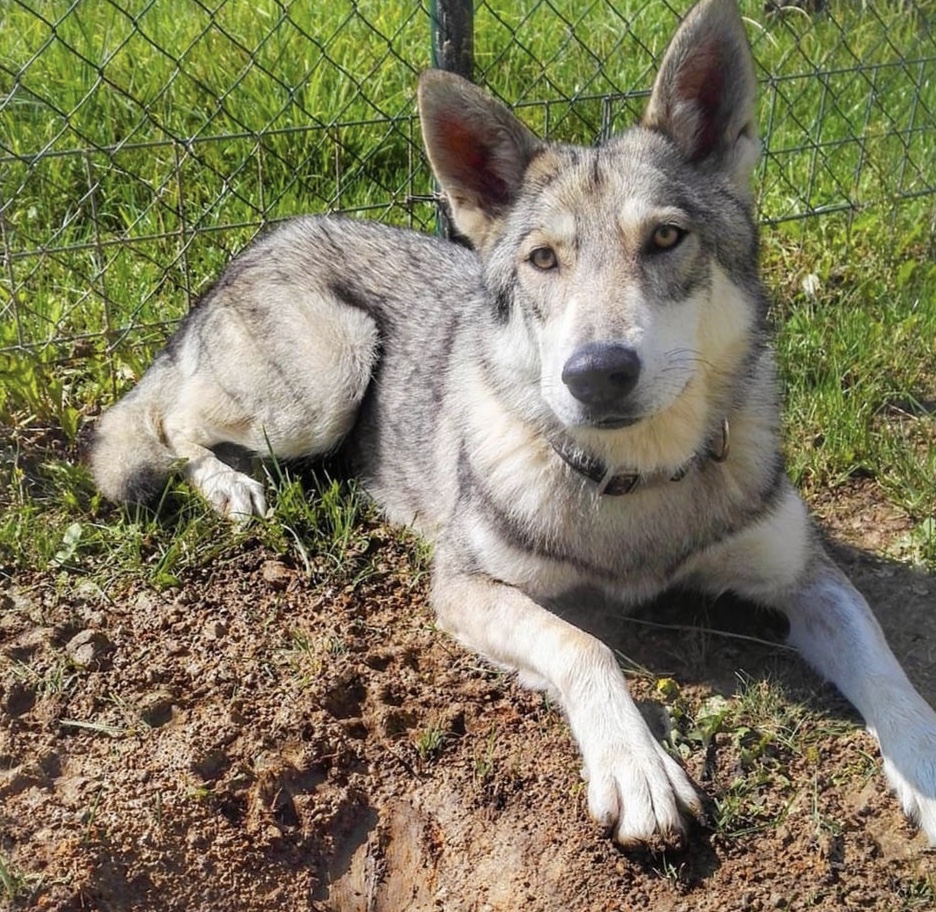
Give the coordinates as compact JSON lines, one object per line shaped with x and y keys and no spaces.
{"x":704,"y":94}
{"x":478,"y":150}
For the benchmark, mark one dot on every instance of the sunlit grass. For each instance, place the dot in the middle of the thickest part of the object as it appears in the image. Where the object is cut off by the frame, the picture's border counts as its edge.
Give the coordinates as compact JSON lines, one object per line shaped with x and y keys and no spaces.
{"x":142,"y":144}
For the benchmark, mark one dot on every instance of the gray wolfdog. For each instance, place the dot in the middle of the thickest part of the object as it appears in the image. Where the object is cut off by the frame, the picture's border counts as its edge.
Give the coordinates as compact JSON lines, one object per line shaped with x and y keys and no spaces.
{"x":583,"y":406}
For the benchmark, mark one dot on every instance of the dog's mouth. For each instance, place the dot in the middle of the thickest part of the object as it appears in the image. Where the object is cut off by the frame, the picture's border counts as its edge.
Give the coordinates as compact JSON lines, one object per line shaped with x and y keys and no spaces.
{"x":606,"y":417}
{"x":598,"y":416}
{"x":614,"y":423}
{"x":611,"y":422}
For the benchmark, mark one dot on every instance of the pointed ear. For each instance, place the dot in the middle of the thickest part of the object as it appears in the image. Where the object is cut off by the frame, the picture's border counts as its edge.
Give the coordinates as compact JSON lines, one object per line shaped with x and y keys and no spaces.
{"x":704,"y":94}
{"x":478,"y":150}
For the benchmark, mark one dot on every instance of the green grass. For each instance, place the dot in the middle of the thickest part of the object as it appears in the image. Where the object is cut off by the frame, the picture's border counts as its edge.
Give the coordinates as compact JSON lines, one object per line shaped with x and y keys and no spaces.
{"x":748,"y":745}
{"x":856,"y":355}
{"x":429,"y":741}
{"x":143,"y":144}
{"x":14,"y":884}
{"x":919,"y":894}
{"x":58,"y":524}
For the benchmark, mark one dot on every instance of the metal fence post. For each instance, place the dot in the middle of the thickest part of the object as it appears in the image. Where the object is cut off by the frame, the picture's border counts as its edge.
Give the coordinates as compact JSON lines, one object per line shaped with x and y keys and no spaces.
{"x":452,"y":23}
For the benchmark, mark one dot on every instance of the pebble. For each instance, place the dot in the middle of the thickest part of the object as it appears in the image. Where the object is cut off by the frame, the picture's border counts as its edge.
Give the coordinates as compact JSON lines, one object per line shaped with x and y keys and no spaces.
{"x":89,"y":591}
{"x":19,"y":699}
{"x":214,"y":630}
{"x":88,"y":648}
{"x":276,"y":574}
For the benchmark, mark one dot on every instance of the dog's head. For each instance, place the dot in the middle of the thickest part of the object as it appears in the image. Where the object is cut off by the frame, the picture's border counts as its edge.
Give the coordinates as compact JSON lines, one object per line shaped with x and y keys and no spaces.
{"x":627,"y":270}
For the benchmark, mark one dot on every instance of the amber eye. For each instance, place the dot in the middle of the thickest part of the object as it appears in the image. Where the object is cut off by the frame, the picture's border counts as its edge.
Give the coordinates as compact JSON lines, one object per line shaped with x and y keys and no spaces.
{"x":544,"y":258}
{"x":666,"y":237}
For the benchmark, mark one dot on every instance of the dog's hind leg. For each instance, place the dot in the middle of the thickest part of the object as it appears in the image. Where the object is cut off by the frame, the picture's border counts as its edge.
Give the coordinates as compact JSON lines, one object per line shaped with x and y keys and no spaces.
{"x":228,"y":487}
{"x":288,"y":388}
{"x":165,"y":426}
{"x":278,"y":370}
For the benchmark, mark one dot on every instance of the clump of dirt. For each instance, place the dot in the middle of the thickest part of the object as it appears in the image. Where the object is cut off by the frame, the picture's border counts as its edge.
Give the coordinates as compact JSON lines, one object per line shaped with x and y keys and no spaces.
{"x":257,"y":739}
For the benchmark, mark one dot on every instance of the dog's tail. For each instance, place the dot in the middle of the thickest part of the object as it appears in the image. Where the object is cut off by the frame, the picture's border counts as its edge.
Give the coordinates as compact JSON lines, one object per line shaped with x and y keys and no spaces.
{"x":127,"y":449}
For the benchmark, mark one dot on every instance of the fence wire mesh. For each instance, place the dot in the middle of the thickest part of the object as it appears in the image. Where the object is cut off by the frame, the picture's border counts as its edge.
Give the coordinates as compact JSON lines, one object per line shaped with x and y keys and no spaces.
{"x":142,"y":142}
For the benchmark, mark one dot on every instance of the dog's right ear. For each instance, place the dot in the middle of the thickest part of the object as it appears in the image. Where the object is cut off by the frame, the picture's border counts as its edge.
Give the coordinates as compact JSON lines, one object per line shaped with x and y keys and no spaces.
{"x":478,"y":151}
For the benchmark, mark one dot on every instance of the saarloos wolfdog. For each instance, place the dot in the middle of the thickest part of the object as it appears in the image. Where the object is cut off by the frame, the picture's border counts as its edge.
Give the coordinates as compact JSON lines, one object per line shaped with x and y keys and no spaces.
{"x":584,"y":403}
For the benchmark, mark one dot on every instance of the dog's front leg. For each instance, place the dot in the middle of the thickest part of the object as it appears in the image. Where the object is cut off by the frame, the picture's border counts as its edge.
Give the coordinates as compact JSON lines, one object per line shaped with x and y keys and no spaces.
{"x":834,"y":629}
{"x":634,"y":786}
{"x":780,"y":562}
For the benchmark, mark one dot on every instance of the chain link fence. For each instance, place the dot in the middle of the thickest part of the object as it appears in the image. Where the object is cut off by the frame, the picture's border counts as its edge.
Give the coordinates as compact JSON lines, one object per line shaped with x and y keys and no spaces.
{"x":143,"y":142}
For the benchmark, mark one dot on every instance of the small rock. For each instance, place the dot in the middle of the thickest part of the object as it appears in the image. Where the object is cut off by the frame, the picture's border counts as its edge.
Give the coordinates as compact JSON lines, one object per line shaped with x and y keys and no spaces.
{"x":146,"y":602}
{"x":89,"y":648}
{"x":89,"y":591}
{"x":173,"y":647}
{"x":17,"y":600}
{"x":215,"y":630}
{"x":19,"y":699}
{"x":276,"y":574}
{"x":16,"y":780}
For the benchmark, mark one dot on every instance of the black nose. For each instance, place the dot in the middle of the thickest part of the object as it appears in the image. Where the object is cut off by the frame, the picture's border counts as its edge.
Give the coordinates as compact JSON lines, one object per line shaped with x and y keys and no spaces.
{"x":601,"y":373}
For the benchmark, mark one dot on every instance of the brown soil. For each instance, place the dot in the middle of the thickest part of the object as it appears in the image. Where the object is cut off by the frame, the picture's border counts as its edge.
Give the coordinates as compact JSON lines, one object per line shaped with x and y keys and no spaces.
{"x":258,"y":739}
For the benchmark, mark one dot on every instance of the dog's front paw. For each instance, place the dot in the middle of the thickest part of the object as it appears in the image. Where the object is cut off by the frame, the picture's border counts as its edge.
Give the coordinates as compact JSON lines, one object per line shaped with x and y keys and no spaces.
{"x":638,"y":790}
{"x":910,"y":766}
{"x":919,"y":803}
